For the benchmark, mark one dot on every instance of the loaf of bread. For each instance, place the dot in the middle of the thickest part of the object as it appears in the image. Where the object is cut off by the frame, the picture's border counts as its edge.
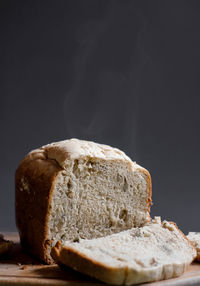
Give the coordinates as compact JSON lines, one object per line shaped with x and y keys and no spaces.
{"x":194,"y":238}
{"x":78,"y":189}
{"x":5,"y":245}
{"x":150,"y":253}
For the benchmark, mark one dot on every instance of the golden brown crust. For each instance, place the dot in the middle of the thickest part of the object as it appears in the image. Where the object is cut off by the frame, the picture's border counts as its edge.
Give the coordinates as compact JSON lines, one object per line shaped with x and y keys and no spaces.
{"x":149,"y":200}
{"x":81,"y":263}
{"x":33,"y":186}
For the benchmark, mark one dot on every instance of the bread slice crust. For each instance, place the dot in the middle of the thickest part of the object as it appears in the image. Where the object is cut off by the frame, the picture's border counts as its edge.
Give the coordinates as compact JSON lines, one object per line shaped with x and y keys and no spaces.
{"x":80,"y":262}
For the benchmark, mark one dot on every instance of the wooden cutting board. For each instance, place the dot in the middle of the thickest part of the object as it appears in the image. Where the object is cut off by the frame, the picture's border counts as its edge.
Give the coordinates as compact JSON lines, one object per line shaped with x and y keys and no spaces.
{"x":18,"y":268}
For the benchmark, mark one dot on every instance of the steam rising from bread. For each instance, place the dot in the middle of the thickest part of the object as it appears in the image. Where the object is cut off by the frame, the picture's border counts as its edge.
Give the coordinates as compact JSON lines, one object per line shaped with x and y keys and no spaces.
{"x":103,"y":101}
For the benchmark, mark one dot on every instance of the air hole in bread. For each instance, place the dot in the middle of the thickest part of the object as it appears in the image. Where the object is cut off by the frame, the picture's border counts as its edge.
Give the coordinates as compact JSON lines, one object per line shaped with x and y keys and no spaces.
{"x":123,"y":214}
{"x":125,"y":186}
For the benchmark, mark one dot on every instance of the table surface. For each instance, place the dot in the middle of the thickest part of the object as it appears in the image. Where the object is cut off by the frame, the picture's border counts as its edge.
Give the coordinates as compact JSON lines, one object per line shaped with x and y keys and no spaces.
{"x":18,"y":268}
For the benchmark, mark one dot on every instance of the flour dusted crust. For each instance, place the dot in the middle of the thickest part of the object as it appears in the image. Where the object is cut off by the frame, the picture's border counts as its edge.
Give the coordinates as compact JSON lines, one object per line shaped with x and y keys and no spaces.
{"x":194,"y":238}
{"x":65,"y":150}
{"x":154,"y":252}
{"x":41,"y":178}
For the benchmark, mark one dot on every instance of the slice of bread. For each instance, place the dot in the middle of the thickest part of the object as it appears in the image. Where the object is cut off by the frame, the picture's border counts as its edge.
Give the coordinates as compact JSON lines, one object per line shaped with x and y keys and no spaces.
{"x":78,"y":189}
{"x":153,"y":252}
{"x":5,"y":245}
{"x":194,"y":238}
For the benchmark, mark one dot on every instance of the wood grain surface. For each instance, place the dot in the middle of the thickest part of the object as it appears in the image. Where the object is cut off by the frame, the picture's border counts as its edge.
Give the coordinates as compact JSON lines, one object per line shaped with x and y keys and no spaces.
{"x":18,"y":268}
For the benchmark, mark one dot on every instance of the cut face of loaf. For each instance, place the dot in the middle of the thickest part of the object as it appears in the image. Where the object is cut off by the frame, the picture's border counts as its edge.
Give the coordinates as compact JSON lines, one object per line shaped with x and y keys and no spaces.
{"x":154,"y":252}
{"x":78,"y":189}
{"x":96,"y":197}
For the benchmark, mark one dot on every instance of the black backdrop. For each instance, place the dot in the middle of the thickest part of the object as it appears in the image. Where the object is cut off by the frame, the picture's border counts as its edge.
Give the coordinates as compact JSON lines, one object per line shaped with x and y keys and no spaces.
{"x":124,"y":73}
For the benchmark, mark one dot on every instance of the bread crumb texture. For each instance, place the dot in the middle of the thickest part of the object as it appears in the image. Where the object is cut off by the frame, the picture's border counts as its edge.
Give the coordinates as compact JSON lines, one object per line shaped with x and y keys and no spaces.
{"x":100,"y":191}
{"x":94,"y":198}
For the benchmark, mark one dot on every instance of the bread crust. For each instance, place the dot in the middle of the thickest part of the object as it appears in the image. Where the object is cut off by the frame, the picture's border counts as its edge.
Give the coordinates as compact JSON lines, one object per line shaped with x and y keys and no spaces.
{"x":34,"y":184}
{"x":34,"y":181}
{"x":81,"y":263}
{"x":149,"y":200}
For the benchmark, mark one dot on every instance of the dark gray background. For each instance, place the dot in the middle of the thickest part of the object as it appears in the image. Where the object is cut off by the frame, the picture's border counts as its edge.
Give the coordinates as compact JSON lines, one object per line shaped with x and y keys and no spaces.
{"x":124,"y":73}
